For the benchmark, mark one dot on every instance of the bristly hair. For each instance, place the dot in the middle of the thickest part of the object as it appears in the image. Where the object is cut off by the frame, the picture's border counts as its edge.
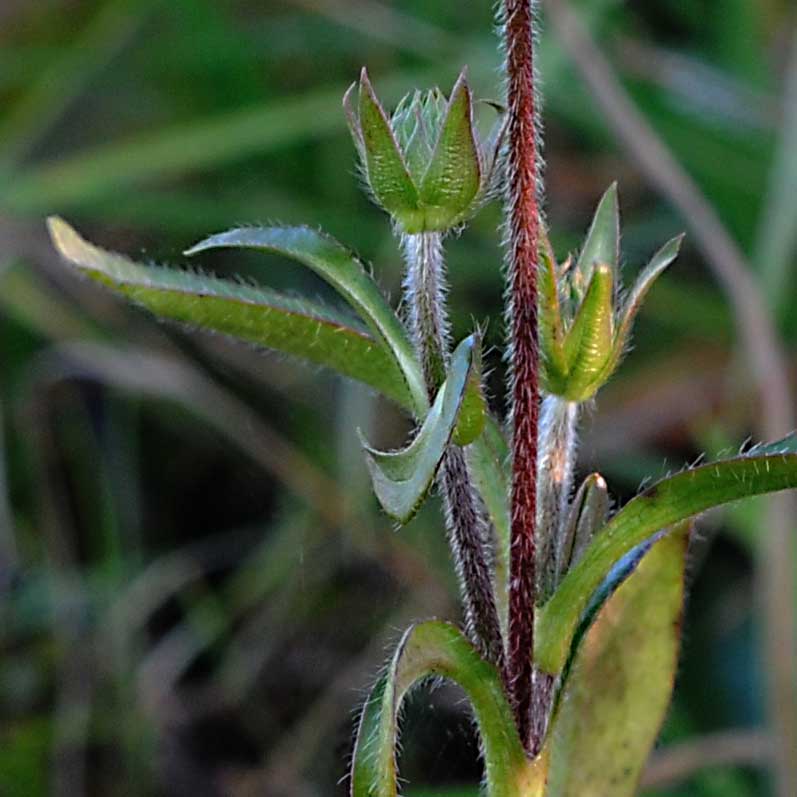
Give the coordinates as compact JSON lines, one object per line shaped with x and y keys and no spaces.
{"x":425,"y":290}
{"x":522,"y":231}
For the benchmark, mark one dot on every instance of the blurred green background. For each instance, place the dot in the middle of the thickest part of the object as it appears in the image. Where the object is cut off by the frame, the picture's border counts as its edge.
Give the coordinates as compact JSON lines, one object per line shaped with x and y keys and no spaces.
{"x":196,"y":586}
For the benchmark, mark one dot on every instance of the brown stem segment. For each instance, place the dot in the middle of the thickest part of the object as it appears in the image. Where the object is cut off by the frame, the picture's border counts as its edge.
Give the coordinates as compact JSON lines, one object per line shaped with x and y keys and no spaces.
{"x":523,"y":236}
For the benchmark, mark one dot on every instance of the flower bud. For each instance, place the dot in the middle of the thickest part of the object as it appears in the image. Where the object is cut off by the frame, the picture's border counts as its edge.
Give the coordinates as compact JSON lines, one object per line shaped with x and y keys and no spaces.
{"x":584,"y":326}
{"x":425,"y":165}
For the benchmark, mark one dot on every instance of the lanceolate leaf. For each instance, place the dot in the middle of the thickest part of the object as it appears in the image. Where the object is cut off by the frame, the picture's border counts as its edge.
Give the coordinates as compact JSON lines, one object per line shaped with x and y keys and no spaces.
{"x":664,"y":504}
{"x":388,"y":176}
{"x":341,"y":269}
{"x":454,"y":175}
{"x":602,"y":244}
{"x":402,"y":478}
{"x":658,"y":263}
{"x":256,"y":315}
{"x":618,"y":687}
{"x":439,"y":649}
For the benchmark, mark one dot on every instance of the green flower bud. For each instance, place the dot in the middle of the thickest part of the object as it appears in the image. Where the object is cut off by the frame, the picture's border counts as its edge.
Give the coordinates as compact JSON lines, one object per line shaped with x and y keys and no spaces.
{"x":425,"y":165}
{"x":584,"y":326}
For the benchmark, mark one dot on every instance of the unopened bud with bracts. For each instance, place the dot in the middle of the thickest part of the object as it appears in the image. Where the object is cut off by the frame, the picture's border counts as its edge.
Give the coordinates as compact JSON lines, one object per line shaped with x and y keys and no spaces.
{"x":425,"y":165}
{"x":585,"y":325}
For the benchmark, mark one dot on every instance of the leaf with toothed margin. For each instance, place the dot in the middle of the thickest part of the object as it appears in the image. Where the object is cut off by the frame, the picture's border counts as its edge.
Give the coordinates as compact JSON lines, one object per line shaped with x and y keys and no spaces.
{"x":256,"y":315}
{"x":344,"y":272}
{"x":618,"y":686}
{"x":644,"y":282}
{"x":388,"y":176}
{"x":402,"y":478}
{"x":436,"y":649}
{"x":602,"y":244}
{"x":453,"y":177}
{"x":765,"y":470}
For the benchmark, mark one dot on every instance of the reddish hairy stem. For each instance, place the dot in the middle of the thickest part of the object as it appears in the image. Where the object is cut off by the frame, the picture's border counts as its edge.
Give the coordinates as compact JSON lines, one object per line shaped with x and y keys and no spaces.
{"x":523,"y":227}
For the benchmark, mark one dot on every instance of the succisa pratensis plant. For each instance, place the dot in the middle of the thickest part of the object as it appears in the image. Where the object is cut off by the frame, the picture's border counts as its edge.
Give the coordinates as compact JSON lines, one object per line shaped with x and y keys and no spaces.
{"x":571,"y":616}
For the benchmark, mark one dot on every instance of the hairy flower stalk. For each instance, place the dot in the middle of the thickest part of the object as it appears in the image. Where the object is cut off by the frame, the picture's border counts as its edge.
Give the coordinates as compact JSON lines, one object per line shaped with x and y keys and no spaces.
{"x":425,"y":299}
{"x":523,"y":227}
{"x":557,"y":450}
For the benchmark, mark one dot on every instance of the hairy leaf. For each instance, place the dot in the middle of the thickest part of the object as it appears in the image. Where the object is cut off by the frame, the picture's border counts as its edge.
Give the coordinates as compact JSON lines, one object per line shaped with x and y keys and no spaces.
{"x":440,"y":649}
{"x":664,"y":504}
{"x":644,"y":282}
{"x":388,"y":176}
{"x":602,"y":244}
{"x":402,"y":478}
{"x":256,"y":315}
{"x":453,"y":177}
{"x":341,"y":269}
{"x":555,"y":366}
{"x":588,"y":344}
{"x":619,"y":685}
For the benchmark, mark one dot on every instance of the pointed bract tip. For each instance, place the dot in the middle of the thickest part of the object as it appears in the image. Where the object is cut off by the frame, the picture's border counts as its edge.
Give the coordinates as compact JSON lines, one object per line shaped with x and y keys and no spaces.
{"x":62,"y":234}
{"x":462,"y":79}
{"x":348,"y":94}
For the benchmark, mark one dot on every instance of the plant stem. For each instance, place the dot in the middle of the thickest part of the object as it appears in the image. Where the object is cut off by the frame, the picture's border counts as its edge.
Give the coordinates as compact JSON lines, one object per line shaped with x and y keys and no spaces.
{"x":468,"y":531}
{"x":522,"y":209}
{"x":557,"y":449}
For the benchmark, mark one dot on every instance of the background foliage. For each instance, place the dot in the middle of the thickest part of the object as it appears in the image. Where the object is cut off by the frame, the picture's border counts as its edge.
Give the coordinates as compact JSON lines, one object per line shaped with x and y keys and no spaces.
{"x":196,"y":586}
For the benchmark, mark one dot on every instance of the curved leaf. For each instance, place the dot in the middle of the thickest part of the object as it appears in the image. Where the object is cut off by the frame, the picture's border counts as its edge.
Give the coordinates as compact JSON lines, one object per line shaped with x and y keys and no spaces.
{"x":440,"y":649}
{"x":619,"y":685}
{"x":402,"y":478}
{"x":344,"y":272}
{"x":665,"y":503}
{"x":256,"y":315}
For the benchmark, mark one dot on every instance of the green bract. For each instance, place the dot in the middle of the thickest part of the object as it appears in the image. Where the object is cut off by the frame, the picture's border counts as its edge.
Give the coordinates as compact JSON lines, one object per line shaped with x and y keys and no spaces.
{"x":584,"y":327}
{"x":425,"y":165}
